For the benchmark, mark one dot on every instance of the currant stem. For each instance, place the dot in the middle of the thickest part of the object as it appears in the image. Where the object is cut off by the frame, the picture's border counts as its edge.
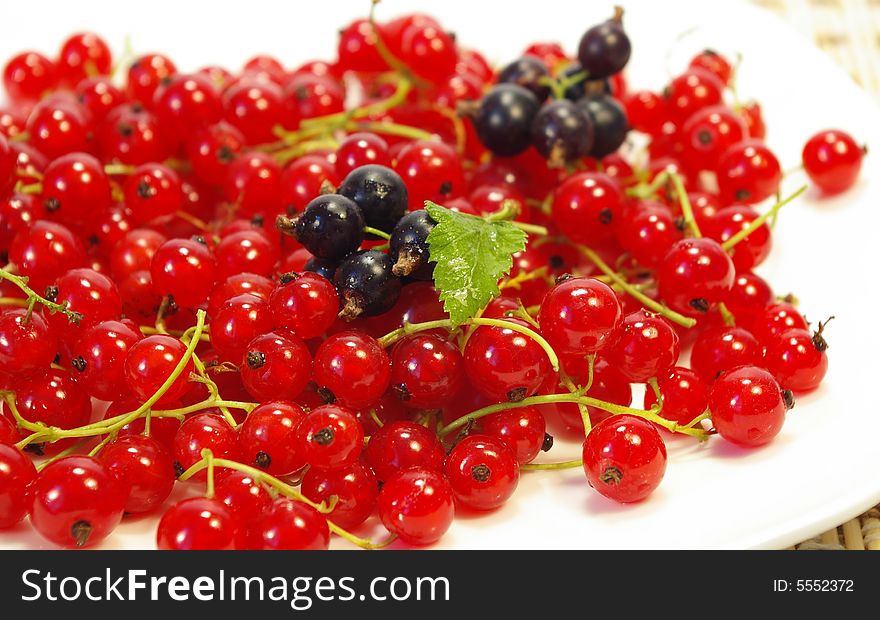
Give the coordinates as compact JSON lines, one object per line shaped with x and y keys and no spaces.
{"x":646,"y":301}
{"x":726,"y":315}
{"x":22,"y":283}
{"x":209,"y":465}
{"x":758,"y":221}
{"x":363,"y":543}
{"x":118,"y":169}
{"x":390,"y":129}
{"x":375,"y":231}
{"x":390,"y":59}
{"x":551,"y":466}
{"x":685,"y":202}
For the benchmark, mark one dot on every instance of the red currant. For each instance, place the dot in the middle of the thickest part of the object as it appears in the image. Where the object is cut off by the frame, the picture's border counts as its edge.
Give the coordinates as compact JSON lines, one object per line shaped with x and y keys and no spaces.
{"x":198,"y":523}
{"x":748,"y":407}
{"x":289,"y":524}
{"x":329,"y":437}
{"x":579,"y":316}
{"x":143,"y":468}
{"x":277,"y":365}
{"x":150,"y":362}
{"x":355,"y":488}
{"x":352,"y":368}
{"x":267,"y":437}
{"x":417,"y":504}
{"x":832,"y":159}
{"x":695,"y":275}
{"x":647,"y":346}
{"x":17,"y":474}
{"x":426,"y":371}
{"x":400,"y":445}
{"x":482,"y":472}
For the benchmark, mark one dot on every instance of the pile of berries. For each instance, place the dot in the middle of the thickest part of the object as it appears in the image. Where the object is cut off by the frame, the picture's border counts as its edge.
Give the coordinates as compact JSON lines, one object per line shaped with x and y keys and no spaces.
{"x":226,"y":280}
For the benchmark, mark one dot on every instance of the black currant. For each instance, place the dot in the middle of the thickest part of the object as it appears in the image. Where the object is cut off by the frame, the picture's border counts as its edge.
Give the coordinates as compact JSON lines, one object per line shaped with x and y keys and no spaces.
{"x":562,"y":132}
{"x":331,"y":226}
{"x":610,"y":124}
{"x":604,"y":49}
{"x":322,"y":266}
{"x":366,"y":284}
{"x":528,"y":72}
{"x":409,"y":246}
{"x":504,"y":117}
{"x":379,"y":192}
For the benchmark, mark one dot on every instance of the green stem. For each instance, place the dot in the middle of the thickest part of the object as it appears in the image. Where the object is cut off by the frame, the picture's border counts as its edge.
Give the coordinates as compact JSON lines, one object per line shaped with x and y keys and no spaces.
{"x":726,"y":315}
{"x":757,"y":222}
{"x":66,"y":452}
{"x":21,"y":282}
{"x":375,"y":231}
{"x":706,"y":415}
{"x":551,"y":466}
{"x":511,"y":209}
{"x":363,"y":543}
{"x":101,"y":445}
{"x":390,"y":129}
{"x":685,"y":202}
{"x":646,"y":301}
{"x":118,"y":169}
{"x":648,"y":191}
{"x":209,"y":465}
{"x":566,"y":381}
{"x":390,"y":59}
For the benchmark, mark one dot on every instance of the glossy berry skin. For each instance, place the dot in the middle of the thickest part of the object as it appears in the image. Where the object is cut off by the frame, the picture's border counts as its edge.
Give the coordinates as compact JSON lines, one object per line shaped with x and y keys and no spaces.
{"x":355,"y":488}
{"x":695,"y":275}
{"x":332,"y":226}
{"x":57,"y":127}
{"x":26,"y":344}
{"x":17,"y":473}
{"x":239,"y":320}
{"x":289,"y":524}
{"x":504,"y":119}
{"x":53,"y":398}
{"x":522,"y":430}
{"x":610,"y":125}
{"x":586,"y":206}
{"x":143,"y":468}
{"x":267,"y":437}
{"x":82,"y":55}
{"x":98,"y":359}
{"x":720,"y":349}
{"x":146,"y":74}
{"x":361,"y":149}
{"x":504,"y":364}
{"x":426,"y":371}
{"x":797,"y":359}
{"x":75,"y":188}
{"x":367,"y":285}
{"x":748,"y":406}
{"x":198,"y":523}
{"x":243,"y":495}
{"x":132,"y":135}
{"x":624,"y":458}
{"x":255,"y":107}
{"x":379,"y":192}
{"x":186,"y":103}
{"x":579,"y":316}
{"x":8,"y":430}
{"x":685,"y":395}
{"x":91,"y":294}
{"x":253,"y":184}
{"x":276,"y":365}
{"x":305,"y":303}
{"x":400,"y":445}
{"x":431,"y":171}
{"x":713,"y":62}
{"x":750,"y":251}
{"x":528,"y":72}
{"x":99,"y":95}
{"x":76,"y":501}
{"x":693,"y":90}
{"x":238,"y":284}
{"x":609,"y":384}
{"x":212,"y":150}
{"x":649,"y":233}
{"x":357,"y":48}
{"x":152,"y":191}
{"x":708,"y":133}
{"x":647,"y":346}
{"x":28,"y":76}
{"x":417,"y":504}
{"x":45,"y":251}
{"x":777,"y":319}
{"x":245,"y":251}
{"x":748,"y":298}
{"x":329,"y":437}
{"x":201,"y":431}
{"x":832,"y":160}
{"x":150,"y":362}
{"x":184,"y":269}
{"x":482,"y":472}
{"x":429,"y":51}
{"x":409,"y":246}
{"x":604,"y":49}
{"x":562,"y":132}
{"x":748,"y":172}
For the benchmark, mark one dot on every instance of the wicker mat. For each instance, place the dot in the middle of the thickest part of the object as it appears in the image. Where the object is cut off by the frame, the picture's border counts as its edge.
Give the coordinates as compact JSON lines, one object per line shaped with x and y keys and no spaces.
{"x":849,"y":31}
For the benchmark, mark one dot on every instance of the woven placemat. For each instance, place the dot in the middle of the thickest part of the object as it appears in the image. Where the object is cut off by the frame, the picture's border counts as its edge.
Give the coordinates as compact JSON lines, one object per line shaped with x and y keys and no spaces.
{"x":849,"y":31}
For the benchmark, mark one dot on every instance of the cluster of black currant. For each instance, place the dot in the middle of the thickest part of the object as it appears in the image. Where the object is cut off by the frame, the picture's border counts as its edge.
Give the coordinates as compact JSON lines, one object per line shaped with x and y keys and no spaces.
{"x":370,"y":200}
{"x":583,"y":118}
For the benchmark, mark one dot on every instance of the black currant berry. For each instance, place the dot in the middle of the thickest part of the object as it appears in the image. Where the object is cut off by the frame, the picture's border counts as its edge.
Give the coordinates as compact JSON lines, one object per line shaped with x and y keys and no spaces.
{"x":409,"y":246}
{"x":610,"y":124}
{"x":604,"y":49}
{"x":322,"y":266}
{"x":379,"y":192}
{"x":528,"y":72}
{"x":504,"y":118}
{"x":562,"y":132}
{"x":366,"y":284}
{"x":331,"y":226}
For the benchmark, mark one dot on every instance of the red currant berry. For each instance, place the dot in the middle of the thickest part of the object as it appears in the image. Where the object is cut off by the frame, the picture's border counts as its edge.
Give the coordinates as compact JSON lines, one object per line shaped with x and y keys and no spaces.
{"x":426,"y":371}
{"x":748,"y":406}
{"x":624,"y":458}
{"x":81,"y":56}
{"x":649,"y":233}
{"x":238,"y":284}
{"x":57,"y":126}
{"x":186,"y":103}
{"x":361,"y":149}
{"x":53,"y":398}
{"x":685,"y":395}
{"x":429,"y":51}
{"x":246,"y":497}
{"x":695,"y":275}
{"x":647,"y":346}
{"x":212,"y":150}
{"x":146,"y":74}
{"x":750,"y":251}
{"x":184,"y":269}
{"x":355,"y":488}
{"x":99,"y":359}
{"x":77,"y":501}
{"x":75,"y":188}
{"x":204,"y":431}
{"x":277,"y":365}
{"x":150,"y":362}
{"x":586,"y":206}
{"x":646,"y":111}
{"x":417,"y":504}
{"x":720,"y":349}
{"x":692,"y":91}
{"x":131,"y":135}
{"x":713,"y":62}
{"x":776,"y":320}
{"x":255,"y":108}
{"x":431,"y":171}
{"x":352,"y":368}
{"x":579,"y":316}
{"x":143,"y":468}
{"x":797,"y":359}
{"x":306,"y":304}
{"x":152,"y":191}
{"x":313,"y":96}
{"x":708,"y":134}
{"x":17,"y":474}
{"x":93,"y":295}
{"x":748,"y":298}
{"x":253,"y":184}
{"x":329,"y":437}
{"x":357,"y":48}
{"x":832,"y":159}
{"x":267,"y":437}
{"x":28,"y":76}
{"x":400,"y":445}
{"x":748,"y":172}
{"x":289,"y":524}
{"x":482,"y":472}
{"x":522,"y":430}
{"x":302,"y":179}
{"x":198,"y":523}
{"x":99,"y":96}
{"x":27,"y":344}
{"x":240,"y":320}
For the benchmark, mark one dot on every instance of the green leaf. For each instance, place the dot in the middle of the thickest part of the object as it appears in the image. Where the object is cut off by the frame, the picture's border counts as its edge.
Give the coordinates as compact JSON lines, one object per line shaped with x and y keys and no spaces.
{"x":471,"y":255}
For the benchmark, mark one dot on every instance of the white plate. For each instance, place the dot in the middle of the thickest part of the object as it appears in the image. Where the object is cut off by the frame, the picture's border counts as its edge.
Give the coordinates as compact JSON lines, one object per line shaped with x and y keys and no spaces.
{"x":822,"y":468}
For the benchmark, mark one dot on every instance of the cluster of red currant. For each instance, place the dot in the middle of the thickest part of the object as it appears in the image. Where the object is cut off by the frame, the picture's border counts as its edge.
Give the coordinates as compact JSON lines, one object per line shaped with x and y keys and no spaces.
{"x":232,"y":279}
